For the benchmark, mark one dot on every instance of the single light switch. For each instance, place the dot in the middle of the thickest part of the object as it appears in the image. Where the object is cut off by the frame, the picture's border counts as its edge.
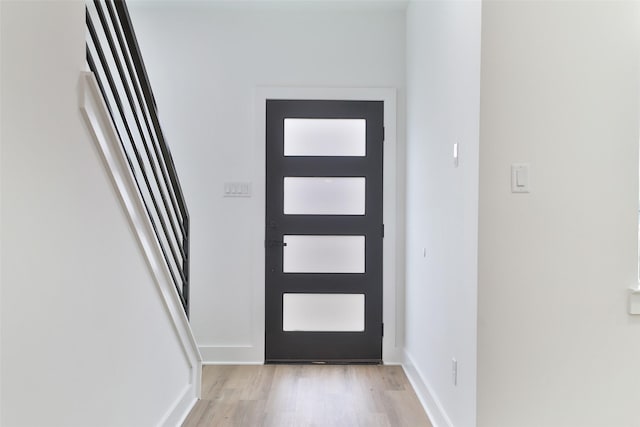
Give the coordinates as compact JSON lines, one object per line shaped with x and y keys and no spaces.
{"x":634,"y":301}
{"x":520,"y":178}
{"x":455,"y":155}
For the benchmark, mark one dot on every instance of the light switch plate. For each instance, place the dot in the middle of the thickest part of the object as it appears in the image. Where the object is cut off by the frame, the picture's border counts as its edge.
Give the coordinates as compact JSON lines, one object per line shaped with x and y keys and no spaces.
{"x":520,"y":178}
{"x":237,"y":189}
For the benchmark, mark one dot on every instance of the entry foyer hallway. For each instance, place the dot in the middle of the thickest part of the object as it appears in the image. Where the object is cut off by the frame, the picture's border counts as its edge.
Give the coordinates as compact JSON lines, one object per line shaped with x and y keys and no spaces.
{"x":306,"y":395}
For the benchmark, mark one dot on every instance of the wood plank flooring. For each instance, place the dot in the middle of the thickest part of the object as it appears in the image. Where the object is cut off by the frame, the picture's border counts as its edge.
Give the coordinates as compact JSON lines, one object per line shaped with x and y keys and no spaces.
{"x":306,"y":396}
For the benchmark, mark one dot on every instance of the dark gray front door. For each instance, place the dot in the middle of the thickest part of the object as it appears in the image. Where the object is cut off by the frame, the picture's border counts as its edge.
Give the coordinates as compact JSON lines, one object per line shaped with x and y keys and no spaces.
{"x":324,"y":231}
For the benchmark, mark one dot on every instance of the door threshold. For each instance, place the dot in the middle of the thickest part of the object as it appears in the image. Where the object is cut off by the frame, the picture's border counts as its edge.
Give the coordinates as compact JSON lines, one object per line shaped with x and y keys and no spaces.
{"x":324,"y":362}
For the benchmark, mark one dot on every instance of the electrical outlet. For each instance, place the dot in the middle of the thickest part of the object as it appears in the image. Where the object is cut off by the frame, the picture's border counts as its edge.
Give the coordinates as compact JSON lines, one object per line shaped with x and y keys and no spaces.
{"x":454,"y":371}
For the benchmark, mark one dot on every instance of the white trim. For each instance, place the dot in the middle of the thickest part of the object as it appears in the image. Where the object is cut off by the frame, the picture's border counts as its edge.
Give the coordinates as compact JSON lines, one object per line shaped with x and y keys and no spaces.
{"x":234,"y":363}
{"x":1,"y":210}
{"x":428,"y":399}
{"x":391,"y":351}
{"x":231,"y":355}
{"x":97,"y":116}
{"x":179,"y":411}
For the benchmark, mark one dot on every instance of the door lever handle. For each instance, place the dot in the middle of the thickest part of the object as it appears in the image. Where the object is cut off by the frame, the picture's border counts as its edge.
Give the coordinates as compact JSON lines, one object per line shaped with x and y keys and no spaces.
{"x":274,"y":243}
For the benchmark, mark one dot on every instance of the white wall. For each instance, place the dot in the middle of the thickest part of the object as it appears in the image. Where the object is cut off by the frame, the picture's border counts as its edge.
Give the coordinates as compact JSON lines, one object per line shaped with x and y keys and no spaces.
{"x":556,"y":347}
{"x":443,"y":82}
{"x":220,"y":55}
{"x":85,"y":337}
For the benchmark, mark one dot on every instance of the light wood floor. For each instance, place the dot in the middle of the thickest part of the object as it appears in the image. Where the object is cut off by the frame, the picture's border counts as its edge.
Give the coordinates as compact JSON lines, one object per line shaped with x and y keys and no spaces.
{"x":305,"y":396}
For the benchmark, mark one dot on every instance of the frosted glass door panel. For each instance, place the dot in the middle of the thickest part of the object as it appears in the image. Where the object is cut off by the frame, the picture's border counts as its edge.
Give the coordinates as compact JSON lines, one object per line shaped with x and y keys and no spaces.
{"x":323,"y":254}
{"x":325,"y":137}
{"x":324,"y":196}
{"x":323,"y":312}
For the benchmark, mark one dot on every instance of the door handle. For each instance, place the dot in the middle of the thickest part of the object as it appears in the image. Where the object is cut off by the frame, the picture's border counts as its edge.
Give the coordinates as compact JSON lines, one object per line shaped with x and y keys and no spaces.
{"x":274,"y":243}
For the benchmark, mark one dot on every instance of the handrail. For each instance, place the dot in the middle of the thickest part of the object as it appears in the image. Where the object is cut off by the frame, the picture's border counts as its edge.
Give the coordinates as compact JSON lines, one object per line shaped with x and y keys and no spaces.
{"x":113,"y":55}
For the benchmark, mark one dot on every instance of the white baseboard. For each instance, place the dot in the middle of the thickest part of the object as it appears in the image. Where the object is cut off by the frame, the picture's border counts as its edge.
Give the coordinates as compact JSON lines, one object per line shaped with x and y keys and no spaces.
{"x":429,"y":401}
{"x":231,"y":355}
{"x":181,"y":408}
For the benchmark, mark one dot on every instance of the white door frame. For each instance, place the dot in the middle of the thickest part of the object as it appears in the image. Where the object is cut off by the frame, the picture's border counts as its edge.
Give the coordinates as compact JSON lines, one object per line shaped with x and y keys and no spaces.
{"x":392,"y":317}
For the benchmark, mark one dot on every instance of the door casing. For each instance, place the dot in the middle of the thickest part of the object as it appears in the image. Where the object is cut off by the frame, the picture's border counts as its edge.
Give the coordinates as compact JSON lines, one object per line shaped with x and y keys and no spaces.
{"x":252,"y":350}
